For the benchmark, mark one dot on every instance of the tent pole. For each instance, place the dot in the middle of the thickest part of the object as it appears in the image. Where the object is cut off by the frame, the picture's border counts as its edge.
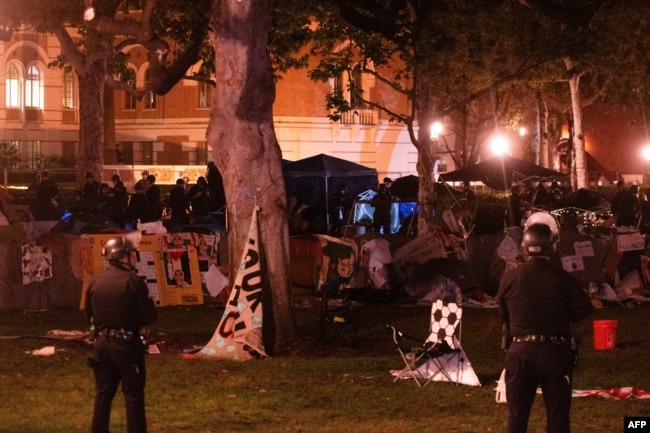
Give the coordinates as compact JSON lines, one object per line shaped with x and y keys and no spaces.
{"x":350,"y":217}
{"x":327,"y":204}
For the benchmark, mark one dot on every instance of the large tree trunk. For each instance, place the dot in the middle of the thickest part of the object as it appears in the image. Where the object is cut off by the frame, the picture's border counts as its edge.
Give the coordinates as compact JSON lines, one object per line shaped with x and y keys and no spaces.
{"x":247,"y":153}
{"x":427,"y":148}
{"x":91,"y":119}
{"x":578,"y":138}
{"x":110,"y":149}
{"x":535,"y":136}
{"x":544,"y":147}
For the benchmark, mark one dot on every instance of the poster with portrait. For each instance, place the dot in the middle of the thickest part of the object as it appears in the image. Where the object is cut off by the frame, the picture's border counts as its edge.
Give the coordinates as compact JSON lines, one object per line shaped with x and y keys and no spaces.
{"x":175,"y":256}
{"x":178,"y":274}
{"x":151,"y":265}
{"x":340,"y":261}
{"x":94,"y":263}
{"x":36,"y":262}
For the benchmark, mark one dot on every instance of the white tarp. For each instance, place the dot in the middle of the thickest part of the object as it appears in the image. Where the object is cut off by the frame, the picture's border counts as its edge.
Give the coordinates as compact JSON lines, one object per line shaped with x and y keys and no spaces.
{"x":462,"y":372}
{"x":375,"y":255}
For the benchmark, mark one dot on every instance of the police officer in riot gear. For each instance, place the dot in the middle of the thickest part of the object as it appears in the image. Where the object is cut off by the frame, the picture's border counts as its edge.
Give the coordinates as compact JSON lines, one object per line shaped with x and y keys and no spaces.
{"x":118,"y":306}
{"x":538,"y":301}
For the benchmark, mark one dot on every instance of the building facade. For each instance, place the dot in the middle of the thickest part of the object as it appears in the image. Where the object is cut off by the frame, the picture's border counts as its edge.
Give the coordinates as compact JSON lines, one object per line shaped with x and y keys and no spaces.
{"x":166,"y":134}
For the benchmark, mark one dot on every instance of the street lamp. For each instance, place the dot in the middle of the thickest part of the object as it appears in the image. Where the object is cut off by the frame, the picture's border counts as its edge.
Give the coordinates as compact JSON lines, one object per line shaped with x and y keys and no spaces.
{"x":500,"y":145}
{"x":436,"y":130}
{"x":646,"y":156}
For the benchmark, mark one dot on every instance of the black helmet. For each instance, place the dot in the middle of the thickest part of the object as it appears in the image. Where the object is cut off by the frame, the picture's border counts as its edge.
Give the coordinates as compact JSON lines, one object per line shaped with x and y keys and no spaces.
{"x":116,"y":248}
{"x":538,"y":240}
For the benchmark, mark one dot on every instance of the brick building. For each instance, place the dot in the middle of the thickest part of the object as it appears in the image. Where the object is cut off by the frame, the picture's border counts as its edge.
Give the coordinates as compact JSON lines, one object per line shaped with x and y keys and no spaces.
{"x":39,"y":113}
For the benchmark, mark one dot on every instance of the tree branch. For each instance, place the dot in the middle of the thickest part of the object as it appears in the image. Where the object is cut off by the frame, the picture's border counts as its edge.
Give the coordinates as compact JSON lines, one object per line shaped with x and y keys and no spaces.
{"x":396,"y":86}
{"x":572,"y":17}
{"x":70,"y":50}
{"x":121,"y":85}
{"x":371,"y":16}
{"x":522,"y":69}
{"x":163,"y":77}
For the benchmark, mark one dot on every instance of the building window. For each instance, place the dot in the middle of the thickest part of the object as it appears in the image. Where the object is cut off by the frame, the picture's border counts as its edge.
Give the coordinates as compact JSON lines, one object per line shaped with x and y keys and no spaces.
{"x":353,"y":87}
{"x":68,"y":90}
{"x":69,"y":149}
{"x":205,"y":92}
{"x":12,"y":84}
{"x":143,"y":152}
{"x":441,"y":165}
{"x":357,"y":92}
{"x":124,"y":152}
{"x":202,"y":153}
{"x":349,"y":86}
{"x":33,"y":151}
{"x":149,"y":96}
{"x":147,"y":152}
{"x":129,"y":98}
{"x":34,"y":88}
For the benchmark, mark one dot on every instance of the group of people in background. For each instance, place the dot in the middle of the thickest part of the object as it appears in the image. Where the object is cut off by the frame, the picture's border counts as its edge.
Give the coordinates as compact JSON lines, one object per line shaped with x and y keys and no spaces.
{"x":530,"y":197}
{"x":185,"y":203}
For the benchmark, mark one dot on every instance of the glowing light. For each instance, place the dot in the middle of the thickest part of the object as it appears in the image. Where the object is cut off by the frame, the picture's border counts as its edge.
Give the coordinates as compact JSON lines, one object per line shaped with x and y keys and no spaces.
{"x":89,"y":14}
{"x":646,"y":153}
{"x":436,"y":130}
{"x":523,"y":131}
{"x":500,"y":145}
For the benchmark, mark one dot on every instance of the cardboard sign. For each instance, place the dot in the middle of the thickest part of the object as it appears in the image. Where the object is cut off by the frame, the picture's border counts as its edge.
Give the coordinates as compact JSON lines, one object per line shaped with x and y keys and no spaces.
{"x":158,"y":261}
{"x":630,"y":242}
{"x":573,"y":263}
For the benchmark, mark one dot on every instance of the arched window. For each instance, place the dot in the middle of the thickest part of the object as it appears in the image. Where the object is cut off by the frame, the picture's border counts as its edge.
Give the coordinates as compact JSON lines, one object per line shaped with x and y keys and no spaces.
{"x":205,"y":94}
{"x":34,"y":96}
{"x":354,"y":87}
{"x":68,"y":90}
{"x":149,"y":96}
{"x":12,"y":84}
{"x":129,"y":98}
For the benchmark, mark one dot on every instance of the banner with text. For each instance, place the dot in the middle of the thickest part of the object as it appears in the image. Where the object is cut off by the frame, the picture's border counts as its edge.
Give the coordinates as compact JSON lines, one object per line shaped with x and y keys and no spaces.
{"x":239,"y":333}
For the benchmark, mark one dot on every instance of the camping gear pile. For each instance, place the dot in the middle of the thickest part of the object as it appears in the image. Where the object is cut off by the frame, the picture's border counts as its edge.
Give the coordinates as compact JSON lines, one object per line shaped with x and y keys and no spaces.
{"x":473,"y":250}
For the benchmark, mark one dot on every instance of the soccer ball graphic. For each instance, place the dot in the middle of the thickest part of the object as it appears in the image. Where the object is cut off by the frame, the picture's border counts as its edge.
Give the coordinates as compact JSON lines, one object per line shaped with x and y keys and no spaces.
{"x":445,"y":319}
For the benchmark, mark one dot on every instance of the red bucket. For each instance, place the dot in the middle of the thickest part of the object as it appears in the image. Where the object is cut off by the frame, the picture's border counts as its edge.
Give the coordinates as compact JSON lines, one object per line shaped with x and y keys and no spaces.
{"x":605,"y":334}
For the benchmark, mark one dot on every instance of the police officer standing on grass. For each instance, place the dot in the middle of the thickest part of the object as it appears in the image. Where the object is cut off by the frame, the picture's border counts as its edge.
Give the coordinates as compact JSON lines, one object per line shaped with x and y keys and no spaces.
{"x":538,"y":301}
{"x":118,"y":306}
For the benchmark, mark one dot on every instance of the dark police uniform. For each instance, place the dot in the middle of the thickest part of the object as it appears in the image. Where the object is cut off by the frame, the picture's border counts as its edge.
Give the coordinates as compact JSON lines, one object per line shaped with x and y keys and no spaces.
{"x":118,"y":304}
{"x":538,"y":301}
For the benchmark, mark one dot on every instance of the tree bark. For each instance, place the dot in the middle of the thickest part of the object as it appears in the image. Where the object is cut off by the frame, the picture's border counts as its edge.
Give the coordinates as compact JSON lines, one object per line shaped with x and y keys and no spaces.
{"x":246,"y":151}
{"x":427,"y":148}
{"x":91,"y":119}
{"x":110,"y":141}
{"x":578,"y":138}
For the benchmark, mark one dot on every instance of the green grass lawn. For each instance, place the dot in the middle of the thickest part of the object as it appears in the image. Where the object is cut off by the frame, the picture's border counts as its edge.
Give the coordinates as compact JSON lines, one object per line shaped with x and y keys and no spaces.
{"x":318,"y":388}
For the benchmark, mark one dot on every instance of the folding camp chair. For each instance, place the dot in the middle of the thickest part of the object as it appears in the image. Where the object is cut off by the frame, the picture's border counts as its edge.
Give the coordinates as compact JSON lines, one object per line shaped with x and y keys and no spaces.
{"x":339,"y":318}
{"x":432,"y":359}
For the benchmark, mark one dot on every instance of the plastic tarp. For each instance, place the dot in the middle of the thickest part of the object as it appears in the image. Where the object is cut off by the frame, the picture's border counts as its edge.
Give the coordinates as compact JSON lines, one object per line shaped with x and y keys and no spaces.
{"x":463,"y":373}
{"x":375,"y":256}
